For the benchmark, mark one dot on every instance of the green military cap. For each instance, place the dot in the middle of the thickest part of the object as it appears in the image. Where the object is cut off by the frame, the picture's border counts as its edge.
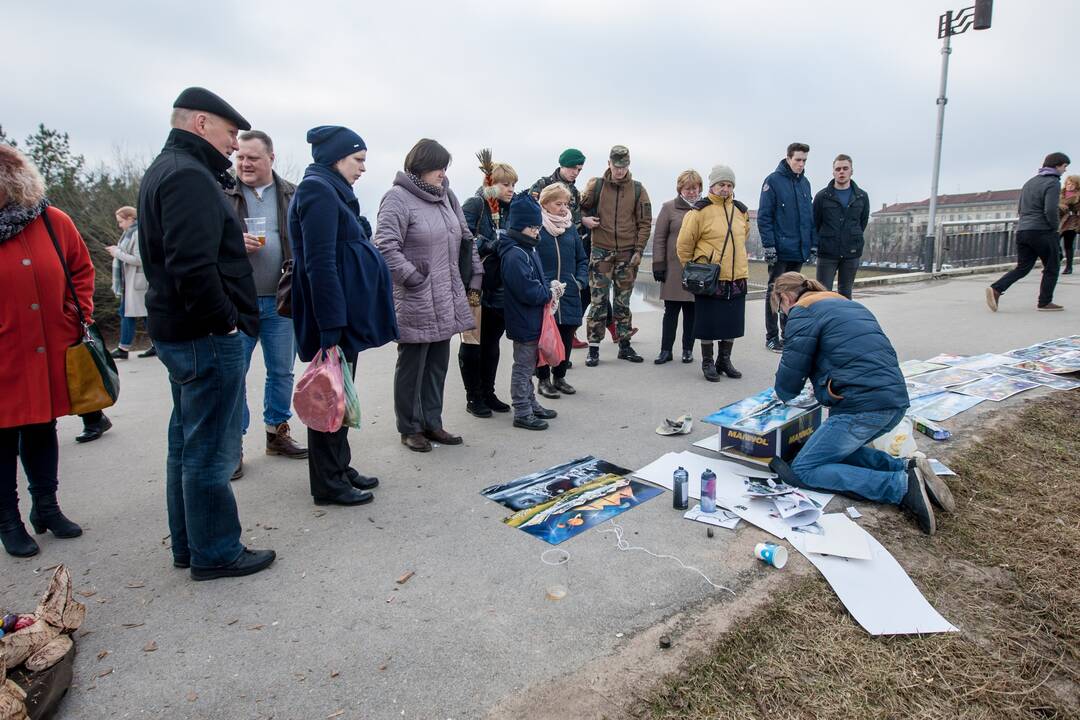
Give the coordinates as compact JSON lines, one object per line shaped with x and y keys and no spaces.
{"x":620,"y":156}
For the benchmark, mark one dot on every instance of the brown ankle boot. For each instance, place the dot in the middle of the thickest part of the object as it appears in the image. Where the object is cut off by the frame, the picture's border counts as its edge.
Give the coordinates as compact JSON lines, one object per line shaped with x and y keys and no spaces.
{"x":280,"y":442}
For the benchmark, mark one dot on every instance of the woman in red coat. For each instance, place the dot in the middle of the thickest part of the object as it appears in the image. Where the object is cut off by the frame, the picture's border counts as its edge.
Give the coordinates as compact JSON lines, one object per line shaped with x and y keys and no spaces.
{"x":37,"y":324}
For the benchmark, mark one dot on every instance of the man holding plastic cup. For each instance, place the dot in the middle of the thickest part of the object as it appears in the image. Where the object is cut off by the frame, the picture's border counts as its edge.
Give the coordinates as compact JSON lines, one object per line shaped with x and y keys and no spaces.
{"x":262,"y":198}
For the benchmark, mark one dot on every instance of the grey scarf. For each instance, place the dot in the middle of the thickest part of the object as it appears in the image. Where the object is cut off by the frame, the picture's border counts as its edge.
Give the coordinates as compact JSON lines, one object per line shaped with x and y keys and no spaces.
{"x":14,"y":217}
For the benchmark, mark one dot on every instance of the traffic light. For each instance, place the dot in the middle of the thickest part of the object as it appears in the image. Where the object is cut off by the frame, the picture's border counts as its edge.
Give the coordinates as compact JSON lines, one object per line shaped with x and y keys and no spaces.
{"x":983,"y":10}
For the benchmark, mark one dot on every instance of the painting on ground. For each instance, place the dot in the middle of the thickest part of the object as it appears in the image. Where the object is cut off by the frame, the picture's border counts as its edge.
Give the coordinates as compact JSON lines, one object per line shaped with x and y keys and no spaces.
{"x":565,"y":500}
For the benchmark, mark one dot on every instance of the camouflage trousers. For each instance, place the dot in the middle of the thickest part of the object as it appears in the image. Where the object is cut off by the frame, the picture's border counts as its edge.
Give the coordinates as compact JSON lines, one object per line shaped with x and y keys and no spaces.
{"x":610,"y":270}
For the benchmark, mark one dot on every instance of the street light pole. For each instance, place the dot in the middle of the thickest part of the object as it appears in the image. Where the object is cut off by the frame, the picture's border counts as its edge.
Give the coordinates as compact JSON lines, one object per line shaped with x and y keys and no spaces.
{"x":977,"y":16}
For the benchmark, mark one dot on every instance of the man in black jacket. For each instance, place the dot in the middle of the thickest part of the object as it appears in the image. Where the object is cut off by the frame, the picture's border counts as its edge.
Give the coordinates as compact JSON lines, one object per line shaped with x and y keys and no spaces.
{"x":201,"y":297}
{"x":841,"y":212}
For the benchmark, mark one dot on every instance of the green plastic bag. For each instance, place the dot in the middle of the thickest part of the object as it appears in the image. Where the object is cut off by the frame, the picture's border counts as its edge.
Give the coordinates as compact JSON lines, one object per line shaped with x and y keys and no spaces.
{"x":352,"y":401}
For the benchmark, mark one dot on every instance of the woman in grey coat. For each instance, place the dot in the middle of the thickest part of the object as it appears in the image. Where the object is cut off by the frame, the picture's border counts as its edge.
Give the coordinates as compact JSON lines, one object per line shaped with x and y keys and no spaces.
{"x":667,"y":270}
{"x":421,"y":232}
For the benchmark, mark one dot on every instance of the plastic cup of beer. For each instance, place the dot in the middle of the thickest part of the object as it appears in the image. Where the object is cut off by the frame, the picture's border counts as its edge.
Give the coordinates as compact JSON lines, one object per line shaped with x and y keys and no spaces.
{"x":257,"y":226}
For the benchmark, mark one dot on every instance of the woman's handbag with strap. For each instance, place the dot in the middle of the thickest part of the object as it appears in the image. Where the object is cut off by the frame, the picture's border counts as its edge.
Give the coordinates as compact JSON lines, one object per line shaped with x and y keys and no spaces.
{"x":700,"y":278}
{"x":92,"y":380}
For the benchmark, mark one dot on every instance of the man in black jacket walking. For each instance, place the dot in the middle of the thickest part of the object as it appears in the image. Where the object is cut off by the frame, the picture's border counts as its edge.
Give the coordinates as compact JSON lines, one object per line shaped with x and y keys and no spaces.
{"x":841,"y":212}
{"x":1036,"y":234}
{"x":201,"y":297}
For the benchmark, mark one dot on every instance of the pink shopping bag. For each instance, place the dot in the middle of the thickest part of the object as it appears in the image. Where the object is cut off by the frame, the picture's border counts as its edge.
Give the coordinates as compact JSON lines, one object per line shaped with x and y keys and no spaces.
{"x":319,"y":398}
{"x":550,"y":349}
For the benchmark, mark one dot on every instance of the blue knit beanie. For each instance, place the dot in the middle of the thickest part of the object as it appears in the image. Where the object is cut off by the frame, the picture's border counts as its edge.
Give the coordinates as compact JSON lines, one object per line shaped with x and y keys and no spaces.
{"x":524,"y":212}
{"x":330,"y":143}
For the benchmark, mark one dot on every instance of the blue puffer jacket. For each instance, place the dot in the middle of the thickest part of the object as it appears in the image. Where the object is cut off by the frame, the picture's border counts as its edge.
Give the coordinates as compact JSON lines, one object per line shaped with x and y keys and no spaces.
{"x":340,"y":280}
{"x":839,"y":345}
{"x":525,"y":290}
{"x":785,"y":216}
{"x":564,"y":259}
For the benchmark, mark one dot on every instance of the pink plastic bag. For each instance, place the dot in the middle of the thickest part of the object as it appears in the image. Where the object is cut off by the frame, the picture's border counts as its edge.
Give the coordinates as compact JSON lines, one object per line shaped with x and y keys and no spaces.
{"x":550,"y":350}
{"x":319,"y":398}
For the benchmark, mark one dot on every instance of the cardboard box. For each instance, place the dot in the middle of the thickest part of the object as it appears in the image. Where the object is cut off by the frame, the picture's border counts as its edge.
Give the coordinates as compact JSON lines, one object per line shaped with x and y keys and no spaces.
{"x":783,"y":441}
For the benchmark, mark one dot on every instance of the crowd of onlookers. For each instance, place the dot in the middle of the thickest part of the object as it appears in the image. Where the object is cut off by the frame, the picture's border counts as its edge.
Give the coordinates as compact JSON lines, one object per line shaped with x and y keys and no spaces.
{"x":219,"y":257}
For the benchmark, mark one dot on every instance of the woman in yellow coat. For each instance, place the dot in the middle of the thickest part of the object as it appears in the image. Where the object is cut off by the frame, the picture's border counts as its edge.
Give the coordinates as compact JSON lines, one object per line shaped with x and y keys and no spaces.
{"x":715,"y":232}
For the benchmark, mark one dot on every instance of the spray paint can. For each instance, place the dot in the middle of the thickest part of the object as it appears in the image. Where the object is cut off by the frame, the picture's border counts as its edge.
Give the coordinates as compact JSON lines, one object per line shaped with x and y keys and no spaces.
{"x":708,"y":491}
{"x":680,"y":489}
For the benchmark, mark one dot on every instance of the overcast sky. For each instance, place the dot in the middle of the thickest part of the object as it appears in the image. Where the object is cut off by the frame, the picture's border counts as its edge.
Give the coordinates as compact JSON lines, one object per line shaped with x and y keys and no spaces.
{"x":683,"y":85}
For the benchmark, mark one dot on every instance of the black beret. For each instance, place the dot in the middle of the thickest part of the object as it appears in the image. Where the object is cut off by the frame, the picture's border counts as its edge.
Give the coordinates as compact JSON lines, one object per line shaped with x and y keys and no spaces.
{"x":197,"y":98}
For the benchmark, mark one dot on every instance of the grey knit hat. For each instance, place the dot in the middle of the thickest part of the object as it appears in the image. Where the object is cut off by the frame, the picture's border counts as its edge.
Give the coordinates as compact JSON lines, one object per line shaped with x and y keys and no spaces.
{"x":721,"y":173}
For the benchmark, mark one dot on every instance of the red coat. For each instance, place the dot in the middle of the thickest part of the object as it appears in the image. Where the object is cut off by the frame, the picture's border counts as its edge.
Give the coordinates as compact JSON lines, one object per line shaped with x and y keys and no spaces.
{"x":37,"y":320}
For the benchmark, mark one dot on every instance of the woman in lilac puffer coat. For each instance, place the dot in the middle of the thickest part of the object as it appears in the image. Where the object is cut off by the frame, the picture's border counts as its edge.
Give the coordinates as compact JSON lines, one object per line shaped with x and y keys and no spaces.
{"x":421,"y":232}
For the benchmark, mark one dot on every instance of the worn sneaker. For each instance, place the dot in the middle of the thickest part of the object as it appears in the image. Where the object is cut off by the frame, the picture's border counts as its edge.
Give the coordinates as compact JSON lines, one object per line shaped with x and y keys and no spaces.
{"x":936,"y":488}
{"x":545,"y":388}
{"x":917,"y":502}
{"x":1050,"y":307}
{"x":992,"y":296}
{"x":564,"y":387}
{"x":775,"y":344}
{"x":530,"y":422}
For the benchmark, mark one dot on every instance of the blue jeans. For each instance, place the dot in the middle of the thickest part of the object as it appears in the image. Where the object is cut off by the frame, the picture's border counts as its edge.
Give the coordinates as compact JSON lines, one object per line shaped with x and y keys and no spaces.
{"x":207,"y":379}
{"x":835,"y":459}
{"x":279,"y":353}
{"x":127,"y":328}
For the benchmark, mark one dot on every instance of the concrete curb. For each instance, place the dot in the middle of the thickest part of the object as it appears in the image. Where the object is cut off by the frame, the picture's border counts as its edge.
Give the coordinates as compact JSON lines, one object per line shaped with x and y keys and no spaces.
{"x":912,"y":277}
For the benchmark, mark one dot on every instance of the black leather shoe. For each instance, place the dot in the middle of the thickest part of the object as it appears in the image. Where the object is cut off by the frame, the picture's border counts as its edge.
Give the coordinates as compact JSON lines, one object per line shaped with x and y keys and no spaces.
{"x":181,"y":563}
{"x":93,"y":431}
{"x":545,"y":414}
{"x":545,"y":388}
{"x":665,"y":356}
{"x":119,"y":354}
{"x":249,"y":563}
{"x":347,"y":497}
{"x":361,"y":482}
{"x":478,"y":408}
{"x":708,"y":369}
{"x":152,"y":352}
{"x":530,"y":422}
{"x":688,"y":356}
{"x":564,"y":387}
{"x":593,"y":358}
{"x":496,"y":404}
{"x":626,"y":352}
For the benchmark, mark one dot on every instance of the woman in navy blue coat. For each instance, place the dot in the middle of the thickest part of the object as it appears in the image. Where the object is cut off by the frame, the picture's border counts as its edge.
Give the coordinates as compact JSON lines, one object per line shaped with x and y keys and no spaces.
{"x":839,"y":346}
{"x":563,"y":257}
{"x":341,"y":292}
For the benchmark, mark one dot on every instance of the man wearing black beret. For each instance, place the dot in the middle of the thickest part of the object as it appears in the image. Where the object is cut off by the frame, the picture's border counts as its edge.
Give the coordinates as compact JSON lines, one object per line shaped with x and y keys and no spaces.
{"x":201,"y":296}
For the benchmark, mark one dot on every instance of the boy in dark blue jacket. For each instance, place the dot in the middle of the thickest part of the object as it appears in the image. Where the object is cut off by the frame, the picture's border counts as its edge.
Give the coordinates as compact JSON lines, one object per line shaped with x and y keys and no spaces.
{"x":839,"y":346}
{"x":525,"y":296}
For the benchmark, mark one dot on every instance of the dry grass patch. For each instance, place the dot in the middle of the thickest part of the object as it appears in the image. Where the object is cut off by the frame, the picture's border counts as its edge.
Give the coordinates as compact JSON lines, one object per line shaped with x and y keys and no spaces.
{"x":1003,"y":569}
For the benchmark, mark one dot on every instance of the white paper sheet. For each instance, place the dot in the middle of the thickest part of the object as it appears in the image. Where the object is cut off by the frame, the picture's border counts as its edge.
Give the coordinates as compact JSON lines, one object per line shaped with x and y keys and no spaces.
{"x":729,"y":475}
{"x":877,"y":592}
{"x":839,"y":537}
{"x":721,"y":518}
{"x":711,"y":442}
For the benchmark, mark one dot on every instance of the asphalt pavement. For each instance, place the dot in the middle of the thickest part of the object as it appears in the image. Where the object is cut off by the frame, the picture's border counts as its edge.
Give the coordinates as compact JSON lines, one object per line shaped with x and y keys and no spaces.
{"x":327,"y":628}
